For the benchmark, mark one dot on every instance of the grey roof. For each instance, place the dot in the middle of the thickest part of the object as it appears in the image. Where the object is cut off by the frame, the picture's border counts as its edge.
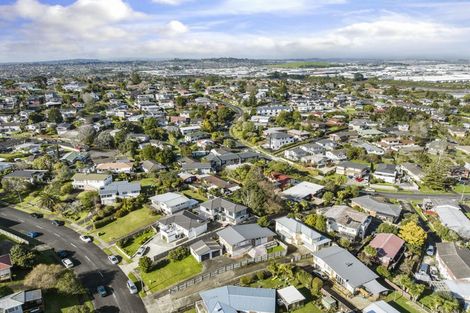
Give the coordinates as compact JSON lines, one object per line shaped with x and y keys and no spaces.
{"x":204,"y":246}
{"x":299,"y":228}
{"x":279,"y":135}
{"x":184,"y":219}
{"x":151,"y":165}
{"x":19,"y":298}
{"x":348,"y":267}
{"x":120,"y":187}
{"x":222,"y":203}
{"x":230,"y":299}
{"x":456,"y":259}
{"x":238,"y":233}
{"x":453,"y":218}
{"x":24,"y":173}
{"x":196,"y":165}
{"x":385,"y":168}
{"x":345,"y":215}
{"x":382,"y":208}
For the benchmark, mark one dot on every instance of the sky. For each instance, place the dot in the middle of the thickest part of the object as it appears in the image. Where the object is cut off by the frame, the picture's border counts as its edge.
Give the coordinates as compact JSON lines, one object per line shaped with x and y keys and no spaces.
{"x":40,"y":30}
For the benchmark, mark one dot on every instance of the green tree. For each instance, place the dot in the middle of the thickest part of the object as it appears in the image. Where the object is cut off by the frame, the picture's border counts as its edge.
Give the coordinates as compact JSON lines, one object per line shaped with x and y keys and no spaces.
{"x":135,"y":78}
{"x":23,"y":256}
{"x":436,"y":176}
{"x":54,"y":116}
{"x":178,"y":254}
{"x":149,"y":152}
{"x":68,"y":284}
{"x":328,"y":197}
{"x":383,"y":271}
{"x":88,"y":199}
{"x":45,"y":162}
{"x":386,"y":227}
{"x":263,"y":221}
{"x":80,"y":309}
{"x":413,"y":234}
{"x":370,"y":251}
{"x":145,"y":264}
{"x":48,"y":200}
{"x":317,"y":285}
{"x":104,"y":140}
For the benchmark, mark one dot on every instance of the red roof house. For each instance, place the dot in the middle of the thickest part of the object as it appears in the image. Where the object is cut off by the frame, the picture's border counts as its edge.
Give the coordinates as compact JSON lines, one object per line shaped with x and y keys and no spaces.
{"x":389,"y":247}
{"x":5,"y":267}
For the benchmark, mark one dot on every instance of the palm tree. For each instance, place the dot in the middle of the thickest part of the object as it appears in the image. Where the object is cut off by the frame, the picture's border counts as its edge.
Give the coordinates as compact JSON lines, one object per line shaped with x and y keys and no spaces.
{"x":48,"y":200}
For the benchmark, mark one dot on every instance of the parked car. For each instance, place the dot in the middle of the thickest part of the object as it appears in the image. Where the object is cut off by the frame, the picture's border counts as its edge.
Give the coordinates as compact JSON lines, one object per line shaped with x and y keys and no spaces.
{"x":113,"y":259}
{"x":102,"y":291}
{"x":141,"y":251}
{"x":62,"y":254}
{"x":424,"y":269}
{"x":132,"y":287}
{"x":85,"y":238}
{"x":36,"y":215}
{"x":33,"y":234}
{"x":320,"y":274}
{"x":430,"y":250}
{"x":67,"y":263}
{"x":57,"y":223}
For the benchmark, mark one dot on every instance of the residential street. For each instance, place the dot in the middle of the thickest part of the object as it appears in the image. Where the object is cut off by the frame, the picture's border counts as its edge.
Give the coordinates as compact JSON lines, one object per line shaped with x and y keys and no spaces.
{"x":91,"y":264}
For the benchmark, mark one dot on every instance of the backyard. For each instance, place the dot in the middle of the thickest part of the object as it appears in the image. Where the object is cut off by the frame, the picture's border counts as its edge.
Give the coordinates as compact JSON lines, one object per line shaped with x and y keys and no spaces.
{"x":62,"y":304}
{"x":402,"y":304}
{"x":171,"y":273}
{"x":127,"y":224}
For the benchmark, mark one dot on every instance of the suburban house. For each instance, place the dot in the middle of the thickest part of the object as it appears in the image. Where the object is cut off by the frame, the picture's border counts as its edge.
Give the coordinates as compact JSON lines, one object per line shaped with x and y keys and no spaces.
{"x":415,"y":172}
{"x":451,"y":216}
{"x":231,"y":299}
{"x":224,"y":211}
{"x":91,"y":181}
{"x":296,"y":233}
{"x":181,"y":225}
{"x":240,"y":239}
{"x":74,"y":156}
{"x":346,"y":270}
{"x":302,"y":191}
{"x":31,"y":176}
{"x":115,"y":167}
{"x":346,"y":221}
{"x":352,"y":169}
{"x":205,"y":249}
{"x":382,"y":210}
{"x":275,"y":141}
{"x":380,"y":307}
{"x":5,"y":267}
{"x":151,"y":166}
{"x":172,"y":202}
{"x":453,"y":261}
{"x":271,"y":110}
{"x":389,"y":248}
{"x":119,"y":189}
{"x":22,"y":301}
{"x":386,"y":172}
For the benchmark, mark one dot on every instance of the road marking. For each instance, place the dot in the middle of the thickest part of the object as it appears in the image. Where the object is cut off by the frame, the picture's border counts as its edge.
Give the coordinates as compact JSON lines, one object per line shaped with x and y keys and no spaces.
{"x":56,"y":234}
{"x":101,"y":274}
{"x":73,"y":245}
{"x":40,"y":227}
{"x":22,"y":221}
{"x":86,"y":256}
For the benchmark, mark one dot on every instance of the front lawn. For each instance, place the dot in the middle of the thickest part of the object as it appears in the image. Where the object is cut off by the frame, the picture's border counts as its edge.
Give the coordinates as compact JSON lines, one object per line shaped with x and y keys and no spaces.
{"x":137,"y":241}
{"x":194,"y":195}
{"x":278,"y":248}
{"x":62,"y":304}
{"x":171,"y":273}
{"x":127,"y":224}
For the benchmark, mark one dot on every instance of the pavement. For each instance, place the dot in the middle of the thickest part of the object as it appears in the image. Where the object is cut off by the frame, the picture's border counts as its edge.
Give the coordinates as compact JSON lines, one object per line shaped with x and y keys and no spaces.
{"x":91,"y":263}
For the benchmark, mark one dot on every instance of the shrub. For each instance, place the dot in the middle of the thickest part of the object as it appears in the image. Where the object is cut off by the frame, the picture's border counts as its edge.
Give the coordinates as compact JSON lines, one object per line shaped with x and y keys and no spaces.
{"x":121,"y":213}
{"x":261,"y":275}
{"x":246,"y":280}
{"x":125,"y":242}
{"x":105,"y":221}
{"x":145,"y":264}
{"x":178,"y":254}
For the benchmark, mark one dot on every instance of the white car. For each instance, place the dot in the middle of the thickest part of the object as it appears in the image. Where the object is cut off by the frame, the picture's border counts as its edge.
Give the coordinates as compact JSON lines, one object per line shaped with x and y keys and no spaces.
{"x":67,"y":263}
{"x":113,"y":259}
{"x":85,"y":238}
{"x":141,"y":251}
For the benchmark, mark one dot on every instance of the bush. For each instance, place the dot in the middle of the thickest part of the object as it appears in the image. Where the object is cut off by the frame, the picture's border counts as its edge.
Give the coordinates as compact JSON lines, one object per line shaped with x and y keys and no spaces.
{"x":261,"y":275}
{"x":105,"y":221}
{"x":121,"y":213}
{"x":125,"y":242}
{"x":145,"y":264}
{"x":246,"y":280}
{"x":178,"y":254}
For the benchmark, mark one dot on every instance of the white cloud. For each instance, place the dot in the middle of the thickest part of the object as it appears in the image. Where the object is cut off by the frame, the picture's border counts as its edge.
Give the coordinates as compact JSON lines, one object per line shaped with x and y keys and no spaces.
{"x":174,"y":28}
{"x":169,"y":2}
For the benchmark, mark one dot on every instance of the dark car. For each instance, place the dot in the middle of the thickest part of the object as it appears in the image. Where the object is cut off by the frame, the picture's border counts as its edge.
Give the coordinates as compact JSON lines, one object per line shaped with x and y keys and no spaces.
{"x":62,"y":254}
{"x":102,"y":291}
{"x":33,"y":234}
{"x":36,"y":215}
{"x":57,"y":223}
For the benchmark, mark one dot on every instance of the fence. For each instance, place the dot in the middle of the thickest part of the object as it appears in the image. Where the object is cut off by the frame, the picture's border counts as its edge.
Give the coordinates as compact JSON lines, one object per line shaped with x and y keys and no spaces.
{"x":13,"y":236}
{"x":234,"y":266}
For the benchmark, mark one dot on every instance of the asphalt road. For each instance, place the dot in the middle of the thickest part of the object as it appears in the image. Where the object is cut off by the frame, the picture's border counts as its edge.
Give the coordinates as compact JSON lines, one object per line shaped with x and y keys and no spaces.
{"x":417,"y":195}
{"x":91,"y":264}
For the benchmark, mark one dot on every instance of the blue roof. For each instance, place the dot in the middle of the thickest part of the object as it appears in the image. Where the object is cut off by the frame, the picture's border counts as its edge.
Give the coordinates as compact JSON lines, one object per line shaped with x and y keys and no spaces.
{"x":230,"y":299}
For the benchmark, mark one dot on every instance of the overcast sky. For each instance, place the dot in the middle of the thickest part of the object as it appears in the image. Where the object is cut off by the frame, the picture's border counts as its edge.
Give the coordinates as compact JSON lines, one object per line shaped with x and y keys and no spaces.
{"x":33,"y":30}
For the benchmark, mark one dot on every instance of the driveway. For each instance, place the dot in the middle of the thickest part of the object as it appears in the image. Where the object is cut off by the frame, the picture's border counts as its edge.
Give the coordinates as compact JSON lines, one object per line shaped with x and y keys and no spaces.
{"x":92,"y":265}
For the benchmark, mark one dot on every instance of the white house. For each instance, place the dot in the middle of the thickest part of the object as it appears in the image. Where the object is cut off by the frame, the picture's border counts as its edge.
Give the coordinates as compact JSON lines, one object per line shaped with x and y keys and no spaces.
{"x":346,"y":221}
{"x":296,"y":233}
{"x":277,"y":140}
{"x":172,"y":202}
{"x":181,"y":225}
{"x":240,"y":239}
{"x":119,"y":189}
{"x":90,"y":181}
{"x":115,"y":167}
{"x":224,"y":211}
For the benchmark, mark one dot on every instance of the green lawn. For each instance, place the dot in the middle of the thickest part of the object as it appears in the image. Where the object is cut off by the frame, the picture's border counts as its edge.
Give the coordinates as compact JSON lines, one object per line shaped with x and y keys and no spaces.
{"x":127,"y":224}
{"x":138,"y":241}
{"x":172,"y":273}
{"x":195,"y":195}
{"x":308,"y":308}
{"x":402,"y":304}
{"x":278,"y":248}
{"x":62,"y":304}
{"x":147,"y":182}
{"x":11,"y":156}
{"x":460,"y":188}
